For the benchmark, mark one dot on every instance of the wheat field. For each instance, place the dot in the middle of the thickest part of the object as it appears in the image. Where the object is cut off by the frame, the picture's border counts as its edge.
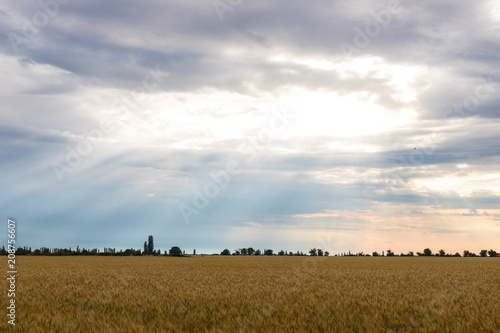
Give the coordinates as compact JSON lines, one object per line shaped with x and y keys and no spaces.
{"x":256,"y":294}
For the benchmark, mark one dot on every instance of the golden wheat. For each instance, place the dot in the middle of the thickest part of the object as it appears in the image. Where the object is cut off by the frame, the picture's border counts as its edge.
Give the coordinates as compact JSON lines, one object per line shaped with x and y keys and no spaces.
{"x":256,"y":294}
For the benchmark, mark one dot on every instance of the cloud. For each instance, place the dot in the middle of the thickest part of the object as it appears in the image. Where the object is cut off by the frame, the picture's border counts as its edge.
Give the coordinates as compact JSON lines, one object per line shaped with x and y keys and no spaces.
{"x":428,"y":80}
{"x":472,"y":212}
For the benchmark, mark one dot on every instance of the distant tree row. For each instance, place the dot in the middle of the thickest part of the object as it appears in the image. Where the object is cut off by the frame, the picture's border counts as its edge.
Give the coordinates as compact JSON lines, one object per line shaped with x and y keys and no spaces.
{"x":72,"y":252}
{"x":425,"y":253}
{"x":250,"y":251}
{"x":149,"y":249}
{"x":442,"y":253}
{"x":174,"y":251}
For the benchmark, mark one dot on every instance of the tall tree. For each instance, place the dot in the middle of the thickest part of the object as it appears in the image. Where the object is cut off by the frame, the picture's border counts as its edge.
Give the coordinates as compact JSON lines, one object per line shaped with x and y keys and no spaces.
{"x":151,"y":245}
{"x":145,"y":248}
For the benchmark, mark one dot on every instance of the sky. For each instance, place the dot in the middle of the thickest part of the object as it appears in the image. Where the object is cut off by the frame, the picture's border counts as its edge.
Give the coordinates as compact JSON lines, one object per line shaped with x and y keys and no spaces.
{"x":341,"y":125}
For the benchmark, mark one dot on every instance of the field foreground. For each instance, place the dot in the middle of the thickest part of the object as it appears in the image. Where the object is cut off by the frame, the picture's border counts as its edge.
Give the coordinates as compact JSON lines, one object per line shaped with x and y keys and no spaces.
{"x":256,"y":294}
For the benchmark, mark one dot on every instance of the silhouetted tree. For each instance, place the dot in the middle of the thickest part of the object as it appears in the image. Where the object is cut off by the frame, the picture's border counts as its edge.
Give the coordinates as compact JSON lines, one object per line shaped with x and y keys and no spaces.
{"x":313,"y":252}
{"x":175,"y":251}
{"x":257,"y":252}
{"x":442,"y":253}
{"x":250,"y":251}
{"x":457,"y":255}
{"x":320,"y":252}
{"x":493,"y":253}
{"x":151,"y":245}
{"x":268,"y":252}
{"x":21,"y":251}
{"x":375,"y":254}
{"x":427,"y":252}
{"x":281,"y":253}
{"x":225,"y":252}
{"x":327,"y":253}
{"x":244,"y":252}
{"x":483,"y":253}
{"x":128,"y":252}
{"x":390,"y":253}
{"x":236,"y":253}
{"x":145,"y":248}
{"x":466,"y":253}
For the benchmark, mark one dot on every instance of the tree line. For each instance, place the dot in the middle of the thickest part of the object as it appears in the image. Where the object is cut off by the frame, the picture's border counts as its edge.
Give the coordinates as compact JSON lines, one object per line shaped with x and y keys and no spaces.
{"x":428,"y":253}
{"x":149,"y":249}
{"x":250,"y":251}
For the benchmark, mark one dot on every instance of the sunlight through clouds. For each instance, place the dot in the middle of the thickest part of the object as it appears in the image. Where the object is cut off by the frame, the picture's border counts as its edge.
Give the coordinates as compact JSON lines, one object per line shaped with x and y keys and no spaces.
{"x":327,"y":113}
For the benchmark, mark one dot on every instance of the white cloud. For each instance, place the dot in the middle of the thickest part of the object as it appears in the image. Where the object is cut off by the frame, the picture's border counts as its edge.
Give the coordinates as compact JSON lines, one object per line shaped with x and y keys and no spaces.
{"x":357,"y":120}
